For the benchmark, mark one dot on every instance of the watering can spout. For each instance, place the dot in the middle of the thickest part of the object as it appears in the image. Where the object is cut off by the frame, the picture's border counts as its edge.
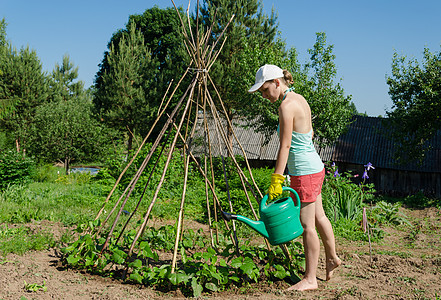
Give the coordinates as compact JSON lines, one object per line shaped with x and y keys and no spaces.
{"x":258,"y":226}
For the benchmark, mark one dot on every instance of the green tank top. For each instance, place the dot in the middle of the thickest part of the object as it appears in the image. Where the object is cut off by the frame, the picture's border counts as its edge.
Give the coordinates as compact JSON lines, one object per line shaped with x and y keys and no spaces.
{"x":303,"y":159}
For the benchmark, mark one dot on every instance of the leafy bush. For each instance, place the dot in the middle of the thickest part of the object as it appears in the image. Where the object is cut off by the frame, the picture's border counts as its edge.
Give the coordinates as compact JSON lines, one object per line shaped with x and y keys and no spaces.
{"x":47,"y":173}
{"x":388,"y":213}
{"x":15,"y":168}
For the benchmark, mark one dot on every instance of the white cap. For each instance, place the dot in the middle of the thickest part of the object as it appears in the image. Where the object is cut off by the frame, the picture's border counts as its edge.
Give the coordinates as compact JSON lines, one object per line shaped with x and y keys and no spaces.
{"x":265,"y":73}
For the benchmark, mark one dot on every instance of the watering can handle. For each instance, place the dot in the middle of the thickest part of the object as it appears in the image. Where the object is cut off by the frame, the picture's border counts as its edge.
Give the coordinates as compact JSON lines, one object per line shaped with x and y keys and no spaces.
{"x":284,"y":188}
{"x":296,"y":195}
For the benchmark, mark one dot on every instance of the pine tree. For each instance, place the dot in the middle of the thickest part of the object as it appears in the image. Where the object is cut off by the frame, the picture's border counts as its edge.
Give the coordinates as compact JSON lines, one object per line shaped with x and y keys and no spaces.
{"x":164,"y":59}
{"x":7,"y":104}
{"x":26,"y":86}
{"x":63,"y":84}
{"x":126,"y":95}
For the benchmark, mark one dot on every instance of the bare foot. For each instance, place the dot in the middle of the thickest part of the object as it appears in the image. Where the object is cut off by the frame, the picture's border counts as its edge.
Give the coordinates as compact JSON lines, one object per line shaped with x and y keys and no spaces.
{"x":331,"y":264}
{"x":304,"y":285}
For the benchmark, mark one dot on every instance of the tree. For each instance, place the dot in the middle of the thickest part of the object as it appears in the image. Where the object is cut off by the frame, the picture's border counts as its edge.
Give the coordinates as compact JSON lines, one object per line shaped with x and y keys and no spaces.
{"x":64,"y":129}
{"x":157,"y":57}
{"x":25,"y":85}
{"x":250,"y":27}
{"x":126,"y":96}
{"x":3,"y":33}
{"x":7,"y":104}
{"x":260,"y":113}
{"x":415,"y":90}
{"x":63,"y":84}
{"x":331,"y":109}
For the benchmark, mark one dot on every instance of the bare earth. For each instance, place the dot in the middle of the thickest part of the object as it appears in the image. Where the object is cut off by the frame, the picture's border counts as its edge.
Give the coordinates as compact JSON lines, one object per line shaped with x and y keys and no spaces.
{"x":398,"y":270}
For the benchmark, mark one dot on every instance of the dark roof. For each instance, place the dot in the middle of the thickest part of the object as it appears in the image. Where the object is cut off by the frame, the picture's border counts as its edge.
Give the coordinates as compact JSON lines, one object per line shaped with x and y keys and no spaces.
{"x":250,"y":141}
{"x":367,"y":140}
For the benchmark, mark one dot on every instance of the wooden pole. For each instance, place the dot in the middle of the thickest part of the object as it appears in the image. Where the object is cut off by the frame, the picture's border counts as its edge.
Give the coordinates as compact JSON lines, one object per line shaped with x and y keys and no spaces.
{"x":161,"y":181}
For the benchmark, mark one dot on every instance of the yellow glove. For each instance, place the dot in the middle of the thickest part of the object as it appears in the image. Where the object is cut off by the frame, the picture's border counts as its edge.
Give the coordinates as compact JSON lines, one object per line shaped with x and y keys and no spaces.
{"x":275,"y":189}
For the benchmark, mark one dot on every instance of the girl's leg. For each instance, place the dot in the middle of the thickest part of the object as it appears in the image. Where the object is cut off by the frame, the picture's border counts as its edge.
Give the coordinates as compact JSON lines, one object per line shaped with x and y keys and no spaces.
{"x":324,"y":227}
{"x":311,"y":243}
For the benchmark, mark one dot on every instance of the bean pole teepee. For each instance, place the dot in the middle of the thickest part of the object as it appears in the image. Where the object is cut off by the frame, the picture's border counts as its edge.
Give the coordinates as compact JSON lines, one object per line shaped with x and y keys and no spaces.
{"x":199,"y":98}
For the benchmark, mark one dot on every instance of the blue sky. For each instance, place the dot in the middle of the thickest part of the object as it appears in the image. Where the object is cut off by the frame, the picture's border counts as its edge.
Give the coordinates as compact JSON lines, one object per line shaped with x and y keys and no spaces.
{"x":365,"y":34}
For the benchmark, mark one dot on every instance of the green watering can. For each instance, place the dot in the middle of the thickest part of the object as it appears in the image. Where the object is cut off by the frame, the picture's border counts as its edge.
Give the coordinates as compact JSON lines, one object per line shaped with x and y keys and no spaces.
{"x":279,"y":221}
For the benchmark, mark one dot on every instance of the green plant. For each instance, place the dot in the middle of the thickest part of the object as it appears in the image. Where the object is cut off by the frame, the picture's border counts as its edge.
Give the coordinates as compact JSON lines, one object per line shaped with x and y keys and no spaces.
{"x":419,"y":200}
{"x":351,"y":230}
{"x":389,"y":213}
{"x":197,"y":272}
{"x":47,"y":173}
{"x":74,"y":178}
{"x":34,"y":287}
{"x":24,"y":239}
{"x":15,"y":168}
{"x":341,"y":197}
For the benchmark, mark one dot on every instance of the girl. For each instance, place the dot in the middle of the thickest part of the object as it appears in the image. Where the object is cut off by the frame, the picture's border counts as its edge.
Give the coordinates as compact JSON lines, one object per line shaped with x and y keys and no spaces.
{"x":306,"y":170}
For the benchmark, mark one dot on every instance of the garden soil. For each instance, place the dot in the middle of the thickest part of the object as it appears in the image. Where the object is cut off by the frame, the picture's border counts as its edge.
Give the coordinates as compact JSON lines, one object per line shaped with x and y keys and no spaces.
{"x":405,"y":265}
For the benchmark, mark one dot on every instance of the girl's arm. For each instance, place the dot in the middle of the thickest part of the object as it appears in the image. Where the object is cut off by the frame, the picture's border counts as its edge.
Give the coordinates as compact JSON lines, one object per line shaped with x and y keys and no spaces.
{"x":286,"y":120}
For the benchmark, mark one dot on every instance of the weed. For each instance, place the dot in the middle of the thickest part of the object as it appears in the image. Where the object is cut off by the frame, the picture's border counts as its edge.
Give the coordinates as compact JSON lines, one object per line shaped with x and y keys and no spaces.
{"x":413,"y":234}
{"x":70,"y":204}
{"x":419,"y":200}
{"x":47,"y":173}
{"x":74,"y":178}
{"x":352,"y":291}
{"x":34,"y":287}
{"x":407,"y":279}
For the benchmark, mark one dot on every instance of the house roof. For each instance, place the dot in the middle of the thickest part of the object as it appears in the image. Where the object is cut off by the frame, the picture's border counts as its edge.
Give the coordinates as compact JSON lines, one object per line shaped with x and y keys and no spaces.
{"x":367,"y":140}
{"x":248,"y":141}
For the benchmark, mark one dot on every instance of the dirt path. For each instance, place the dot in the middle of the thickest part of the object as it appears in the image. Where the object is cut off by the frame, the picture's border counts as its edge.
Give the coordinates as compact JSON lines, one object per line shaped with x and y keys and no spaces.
{"x":406,"y":265}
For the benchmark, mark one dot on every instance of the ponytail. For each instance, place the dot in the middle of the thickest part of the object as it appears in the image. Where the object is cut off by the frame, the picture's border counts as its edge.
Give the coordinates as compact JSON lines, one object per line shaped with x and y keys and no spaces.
{"x":287,"y":76}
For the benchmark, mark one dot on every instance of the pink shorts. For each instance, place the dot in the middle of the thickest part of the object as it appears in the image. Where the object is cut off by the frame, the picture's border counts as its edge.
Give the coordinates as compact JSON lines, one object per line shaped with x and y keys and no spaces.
{"x":308,"y":186}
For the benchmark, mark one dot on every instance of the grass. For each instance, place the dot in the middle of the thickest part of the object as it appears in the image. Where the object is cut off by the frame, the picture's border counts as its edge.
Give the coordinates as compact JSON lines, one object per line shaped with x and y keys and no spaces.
{"x":22,"y":239}
{"x":69,"y":204}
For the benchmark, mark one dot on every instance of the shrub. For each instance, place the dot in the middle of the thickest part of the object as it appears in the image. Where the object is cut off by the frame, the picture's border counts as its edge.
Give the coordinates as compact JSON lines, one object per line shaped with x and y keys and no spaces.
{"x":342,"y":198}
{"x":47,"y":173}
{"x":15,"y":168}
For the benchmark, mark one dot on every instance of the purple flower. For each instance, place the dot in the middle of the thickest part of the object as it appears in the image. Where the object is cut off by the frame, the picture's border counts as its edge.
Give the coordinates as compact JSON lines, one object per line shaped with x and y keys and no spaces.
{"x":333,"y":164}
{"x":369,"y":166}
{"x":365,"y":175}
{"x":336,"y":174}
